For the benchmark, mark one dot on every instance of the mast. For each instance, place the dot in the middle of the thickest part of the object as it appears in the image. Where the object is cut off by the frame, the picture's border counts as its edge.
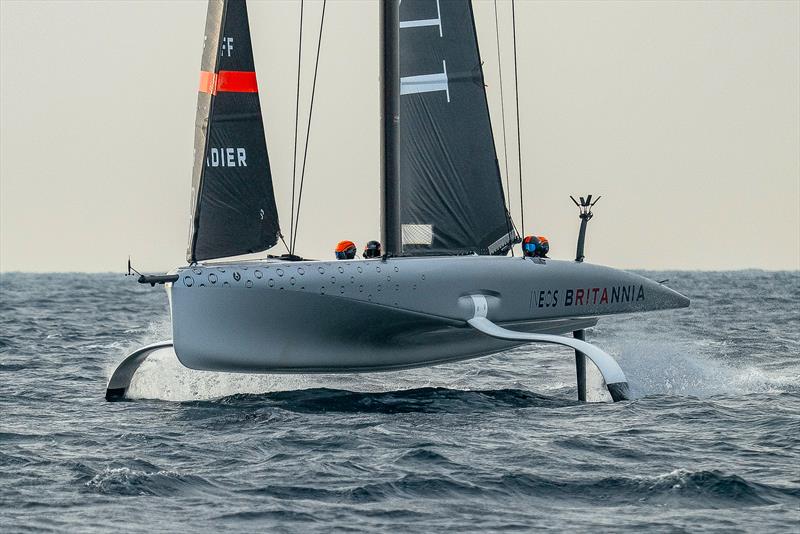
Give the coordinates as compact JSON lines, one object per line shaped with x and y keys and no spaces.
{"x":390,"y":134}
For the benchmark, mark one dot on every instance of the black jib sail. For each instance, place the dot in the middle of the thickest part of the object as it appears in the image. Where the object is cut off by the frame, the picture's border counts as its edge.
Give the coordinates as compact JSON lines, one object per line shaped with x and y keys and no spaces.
{"x":233,"y":204}
{"x":451,"y":194}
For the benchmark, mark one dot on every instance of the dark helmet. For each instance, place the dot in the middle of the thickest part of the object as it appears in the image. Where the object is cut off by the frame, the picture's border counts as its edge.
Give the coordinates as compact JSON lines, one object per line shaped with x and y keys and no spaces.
{"x":345,"y":250}
{"x":530,"y":245}
{"x":544,"y":246}
{"x":372,"y":250}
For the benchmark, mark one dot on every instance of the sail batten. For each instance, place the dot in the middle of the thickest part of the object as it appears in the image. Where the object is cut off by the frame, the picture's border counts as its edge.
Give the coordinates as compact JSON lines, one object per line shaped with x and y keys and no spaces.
{"x":451,"y":192}
{"x":233,"y":203}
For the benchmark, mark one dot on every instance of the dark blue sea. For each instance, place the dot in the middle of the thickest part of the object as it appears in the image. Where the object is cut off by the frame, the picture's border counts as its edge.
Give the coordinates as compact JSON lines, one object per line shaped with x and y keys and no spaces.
{"x":711,"y":441}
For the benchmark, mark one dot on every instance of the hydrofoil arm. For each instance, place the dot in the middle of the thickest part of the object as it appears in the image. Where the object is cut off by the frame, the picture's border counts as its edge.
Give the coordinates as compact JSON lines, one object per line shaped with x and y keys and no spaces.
{"x":120,"y":381}
{"x":612,"y":373}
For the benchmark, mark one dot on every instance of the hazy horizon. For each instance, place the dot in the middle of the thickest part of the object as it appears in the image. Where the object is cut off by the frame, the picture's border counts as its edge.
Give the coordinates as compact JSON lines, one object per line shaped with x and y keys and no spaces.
{"x":685,"y":117}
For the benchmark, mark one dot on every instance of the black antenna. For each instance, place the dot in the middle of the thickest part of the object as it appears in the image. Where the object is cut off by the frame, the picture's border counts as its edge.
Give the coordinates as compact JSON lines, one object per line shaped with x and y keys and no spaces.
{"x":131,"y":270}
{"x":585,"y":207}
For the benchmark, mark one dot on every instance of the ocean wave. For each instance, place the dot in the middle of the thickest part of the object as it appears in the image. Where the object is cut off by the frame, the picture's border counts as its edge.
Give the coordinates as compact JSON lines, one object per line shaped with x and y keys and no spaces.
{"x":126,"y":481}
{"x":269,"y":515}
{"x":424,"y":400}
{"x":490,"y":444}
{"x":409,"y":486}
{"x":680,"y":488}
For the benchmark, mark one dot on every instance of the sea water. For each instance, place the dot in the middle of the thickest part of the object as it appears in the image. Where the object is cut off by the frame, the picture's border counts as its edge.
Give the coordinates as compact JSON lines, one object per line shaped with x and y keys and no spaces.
{"x":711,"y":441}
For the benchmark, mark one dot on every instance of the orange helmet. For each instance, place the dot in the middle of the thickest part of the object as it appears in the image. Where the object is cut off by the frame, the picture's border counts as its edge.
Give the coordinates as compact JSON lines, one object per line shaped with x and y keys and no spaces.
{"x":345,"y":250}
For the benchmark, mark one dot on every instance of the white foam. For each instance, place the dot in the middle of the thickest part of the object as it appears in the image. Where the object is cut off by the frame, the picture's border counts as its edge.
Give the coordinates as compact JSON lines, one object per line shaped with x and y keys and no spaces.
{"x":156,"y":331}
{"x":691,"y":368}
{"x":654,"y":366}
{"x":163,"y":377}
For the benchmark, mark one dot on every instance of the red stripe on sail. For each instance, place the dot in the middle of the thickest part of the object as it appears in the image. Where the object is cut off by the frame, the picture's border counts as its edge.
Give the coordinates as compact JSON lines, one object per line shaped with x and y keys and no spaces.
{"x":228,"y":81}
{"x":237,"y":81}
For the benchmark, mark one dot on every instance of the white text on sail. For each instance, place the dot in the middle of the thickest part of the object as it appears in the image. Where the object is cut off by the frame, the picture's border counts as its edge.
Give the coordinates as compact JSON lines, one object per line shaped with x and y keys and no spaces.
{"x":226,"y":157}
{"x":426,"y":83}
{"x":227,"y":46}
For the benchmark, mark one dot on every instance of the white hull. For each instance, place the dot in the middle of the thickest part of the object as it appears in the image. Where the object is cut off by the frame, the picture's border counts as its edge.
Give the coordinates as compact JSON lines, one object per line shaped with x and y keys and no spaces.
{"x":374,"y":315}
{"x":378,"y":315}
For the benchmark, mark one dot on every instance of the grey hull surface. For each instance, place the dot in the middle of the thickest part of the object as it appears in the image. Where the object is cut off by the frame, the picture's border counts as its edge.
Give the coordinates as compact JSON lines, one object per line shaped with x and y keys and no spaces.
{"x":377,"y":315}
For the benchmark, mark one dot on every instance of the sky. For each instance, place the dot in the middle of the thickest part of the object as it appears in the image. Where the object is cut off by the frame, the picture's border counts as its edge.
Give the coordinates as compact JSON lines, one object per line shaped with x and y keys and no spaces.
{"x":684,"y":116}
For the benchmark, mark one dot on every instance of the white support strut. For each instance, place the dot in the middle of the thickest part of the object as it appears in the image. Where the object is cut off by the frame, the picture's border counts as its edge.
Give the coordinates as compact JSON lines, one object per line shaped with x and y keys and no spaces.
{"x":121,"y":379}
{"x":612,"y":373}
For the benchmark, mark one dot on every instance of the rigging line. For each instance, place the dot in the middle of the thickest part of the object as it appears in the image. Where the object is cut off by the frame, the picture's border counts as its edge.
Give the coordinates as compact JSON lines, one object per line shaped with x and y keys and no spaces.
{"x":516,"y":97}
{"x":308,"y":127}
{"x":502,"y":104}
{"x":503,"y":116}
{"x":296,"y":120}
{"x":284,"y":243}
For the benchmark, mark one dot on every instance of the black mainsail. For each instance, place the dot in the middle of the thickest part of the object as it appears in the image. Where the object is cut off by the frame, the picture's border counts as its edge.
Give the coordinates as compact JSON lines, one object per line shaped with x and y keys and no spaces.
{"x":451,"y":193}
{"x":233,"y":203}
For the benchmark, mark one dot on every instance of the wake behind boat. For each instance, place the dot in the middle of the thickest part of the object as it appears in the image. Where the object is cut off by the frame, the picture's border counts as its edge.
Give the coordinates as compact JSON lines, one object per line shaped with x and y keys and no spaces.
{"x":444,"y":290}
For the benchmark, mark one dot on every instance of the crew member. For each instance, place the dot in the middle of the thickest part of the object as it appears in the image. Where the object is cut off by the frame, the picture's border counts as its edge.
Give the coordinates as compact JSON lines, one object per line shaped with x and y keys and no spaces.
{"x":346,"y":250}
{"x":372,"y":250}
{"x":535,"y":246}
{"x":530,"y":245}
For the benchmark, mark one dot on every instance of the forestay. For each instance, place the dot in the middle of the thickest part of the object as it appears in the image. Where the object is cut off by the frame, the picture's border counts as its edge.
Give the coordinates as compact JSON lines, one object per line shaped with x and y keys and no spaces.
{"x":451,"y":193}
{"x":233,"y":204}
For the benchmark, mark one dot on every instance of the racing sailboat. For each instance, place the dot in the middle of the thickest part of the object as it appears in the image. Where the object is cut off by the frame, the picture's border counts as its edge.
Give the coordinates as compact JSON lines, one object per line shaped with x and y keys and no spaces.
{"x":445,"y":289}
